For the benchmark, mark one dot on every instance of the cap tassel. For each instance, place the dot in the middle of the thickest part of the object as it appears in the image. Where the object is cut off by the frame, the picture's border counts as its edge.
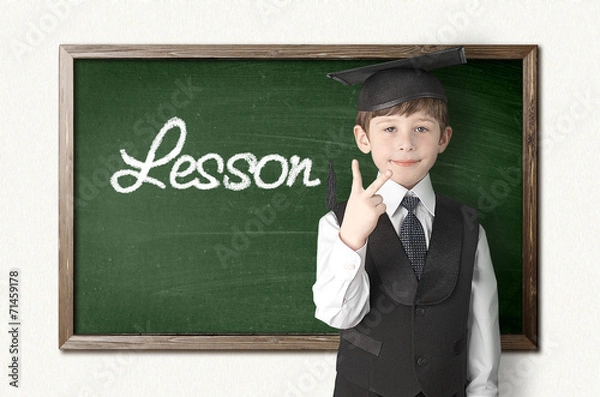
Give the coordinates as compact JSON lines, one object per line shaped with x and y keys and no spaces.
{"x":331,"y":188}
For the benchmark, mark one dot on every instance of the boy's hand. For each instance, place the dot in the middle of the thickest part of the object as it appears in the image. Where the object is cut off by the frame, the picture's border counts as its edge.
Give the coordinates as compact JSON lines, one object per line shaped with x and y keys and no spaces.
{"x":363,"y":209}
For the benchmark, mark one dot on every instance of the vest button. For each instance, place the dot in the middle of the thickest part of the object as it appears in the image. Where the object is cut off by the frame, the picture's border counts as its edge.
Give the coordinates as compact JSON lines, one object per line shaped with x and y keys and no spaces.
{"x":420,"y":311}
{"x":422,"y":361}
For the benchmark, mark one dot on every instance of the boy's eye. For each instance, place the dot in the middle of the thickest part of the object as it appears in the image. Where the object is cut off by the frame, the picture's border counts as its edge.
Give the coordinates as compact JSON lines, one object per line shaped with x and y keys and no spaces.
{"x":421,"y":129}
{"x":390,"y":129}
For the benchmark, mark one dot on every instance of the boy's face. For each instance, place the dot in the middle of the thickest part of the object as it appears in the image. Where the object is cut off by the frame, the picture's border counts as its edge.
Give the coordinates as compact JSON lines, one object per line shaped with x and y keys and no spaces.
{"x":407,"y":145}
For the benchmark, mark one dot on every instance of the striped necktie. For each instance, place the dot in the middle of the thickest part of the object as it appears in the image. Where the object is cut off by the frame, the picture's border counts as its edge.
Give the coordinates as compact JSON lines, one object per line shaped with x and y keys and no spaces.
{"x":412,"y":236}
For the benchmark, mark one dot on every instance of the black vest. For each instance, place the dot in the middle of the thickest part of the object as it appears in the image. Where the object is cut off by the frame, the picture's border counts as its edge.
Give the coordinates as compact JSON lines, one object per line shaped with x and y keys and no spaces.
{"x":414,"y":338}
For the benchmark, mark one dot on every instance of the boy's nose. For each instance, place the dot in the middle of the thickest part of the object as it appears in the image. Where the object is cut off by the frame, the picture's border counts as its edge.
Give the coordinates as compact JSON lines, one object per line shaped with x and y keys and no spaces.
{"x":405,"y":143}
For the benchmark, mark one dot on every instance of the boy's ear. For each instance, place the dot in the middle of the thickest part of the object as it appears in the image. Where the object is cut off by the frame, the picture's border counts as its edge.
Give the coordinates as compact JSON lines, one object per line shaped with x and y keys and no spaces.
{"x":444,"y":139}
{"x":362,"y":140}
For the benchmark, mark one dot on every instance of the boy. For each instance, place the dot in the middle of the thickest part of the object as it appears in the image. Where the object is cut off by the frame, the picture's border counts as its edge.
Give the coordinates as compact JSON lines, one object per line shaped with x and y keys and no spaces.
{"x":406,"y":274}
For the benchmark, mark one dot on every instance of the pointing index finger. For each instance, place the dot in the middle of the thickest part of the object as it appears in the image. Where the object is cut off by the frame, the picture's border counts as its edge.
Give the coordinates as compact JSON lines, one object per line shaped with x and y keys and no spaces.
{"x":378,"y":183}
{"x":356,"y":177}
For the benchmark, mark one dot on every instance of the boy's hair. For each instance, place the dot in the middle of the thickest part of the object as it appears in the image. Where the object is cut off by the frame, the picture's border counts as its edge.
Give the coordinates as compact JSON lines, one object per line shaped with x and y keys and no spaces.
{"x":436,"y":108}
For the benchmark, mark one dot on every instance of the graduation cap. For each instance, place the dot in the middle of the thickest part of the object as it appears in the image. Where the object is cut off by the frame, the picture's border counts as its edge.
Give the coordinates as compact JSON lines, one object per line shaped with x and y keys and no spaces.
{"x":391,"y":83}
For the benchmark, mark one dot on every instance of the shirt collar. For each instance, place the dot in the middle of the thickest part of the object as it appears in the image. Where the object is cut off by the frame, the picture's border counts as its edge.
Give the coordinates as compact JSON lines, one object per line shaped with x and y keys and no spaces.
{"x":393,"y":193}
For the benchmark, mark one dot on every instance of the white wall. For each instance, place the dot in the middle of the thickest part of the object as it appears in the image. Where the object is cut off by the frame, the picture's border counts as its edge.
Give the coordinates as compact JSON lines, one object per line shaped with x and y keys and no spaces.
{"x":30,"y":32}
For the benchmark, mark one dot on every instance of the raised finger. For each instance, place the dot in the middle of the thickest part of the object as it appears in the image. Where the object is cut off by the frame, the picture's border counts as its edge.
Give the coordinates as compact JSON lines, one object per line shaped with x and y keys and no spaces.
{"x":356,"y":177}
{"x":378,"y":183}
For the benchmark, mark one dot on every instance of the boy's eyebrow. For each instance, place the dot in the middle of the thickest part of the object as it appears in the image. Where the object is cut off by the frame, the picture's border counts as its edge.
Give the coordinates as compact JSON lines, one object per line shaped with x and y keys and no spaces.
{"x":385,"y":119}
{"x":431,"y":119}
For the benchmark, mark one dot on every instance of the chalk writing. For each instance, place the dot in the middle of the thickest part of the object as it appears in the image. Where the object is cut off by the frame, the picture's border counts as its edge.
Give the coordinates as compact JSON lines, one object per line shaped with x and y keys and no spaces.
{"x":182,"y":171}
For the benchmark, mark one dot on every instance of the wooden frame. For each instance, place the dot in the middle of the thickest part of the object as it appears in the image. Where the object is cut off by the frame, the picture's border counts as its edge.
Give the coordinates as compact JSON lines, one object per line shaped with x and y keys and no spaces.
{"x":68,"y":340}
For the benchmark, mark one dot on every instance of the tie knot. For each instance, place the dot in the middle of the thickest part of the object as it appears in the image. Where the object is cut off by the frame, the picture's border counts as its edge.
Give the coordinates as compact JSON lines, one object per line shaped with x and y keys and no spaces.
{"x":410,"y":203}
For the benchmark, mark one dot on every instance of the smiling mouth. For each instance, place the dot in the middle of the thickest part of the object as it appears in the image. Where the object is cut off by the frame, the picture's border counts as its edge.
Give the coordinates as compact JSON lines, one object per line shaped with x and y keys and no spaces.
{"x":405,"y":163}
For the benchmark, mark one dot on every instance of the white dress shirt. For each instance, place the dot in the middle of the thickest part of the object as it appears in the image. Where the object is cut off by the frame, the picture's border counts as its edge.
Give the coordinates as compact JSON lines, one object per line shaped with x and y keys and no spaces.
{"x":341,"y":290}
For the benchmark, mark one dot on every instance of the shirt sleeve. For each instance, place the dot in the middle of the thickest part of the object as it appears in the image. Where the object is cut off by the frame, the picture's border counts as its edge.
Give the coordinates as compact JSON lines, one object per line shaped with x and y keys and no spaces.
{"x":484,"y":338}
{"x":341,"y":289}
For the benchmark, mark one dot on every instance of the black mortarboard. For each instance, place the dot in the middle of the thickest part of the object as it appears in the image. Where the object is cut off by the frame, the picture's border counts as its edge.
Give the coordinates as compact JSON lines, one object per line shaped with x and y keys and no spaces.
{"x":391,"y":83}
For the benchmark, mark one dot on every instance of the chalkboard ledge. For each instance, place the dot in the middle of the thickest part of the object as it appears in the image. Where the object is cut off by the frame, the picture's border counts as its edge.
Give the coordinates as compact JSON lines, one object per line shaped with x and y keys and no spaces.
{"x":236,"y":342}
{"x":201,"y":342}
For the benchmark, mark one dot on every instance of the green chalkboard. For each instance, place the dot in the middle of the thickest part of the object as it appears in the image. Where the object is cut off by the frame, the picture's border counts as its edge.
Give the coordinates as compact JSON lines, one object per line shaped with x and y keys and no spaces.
{"x":198,"y":184}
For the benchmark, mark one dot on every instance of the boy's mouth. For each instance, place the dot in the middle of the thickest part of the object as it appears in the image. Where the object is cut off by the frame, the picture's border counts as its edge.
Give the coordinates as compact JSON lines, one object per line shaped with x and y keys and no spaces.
{"x":405,"y":163}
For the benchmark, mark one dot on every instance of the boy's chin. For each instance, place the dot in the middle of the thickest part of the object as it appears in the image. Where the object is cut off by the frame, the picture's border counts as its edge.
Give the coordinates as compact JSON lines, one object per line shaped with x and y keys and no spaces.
{"x":407,"y":183}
